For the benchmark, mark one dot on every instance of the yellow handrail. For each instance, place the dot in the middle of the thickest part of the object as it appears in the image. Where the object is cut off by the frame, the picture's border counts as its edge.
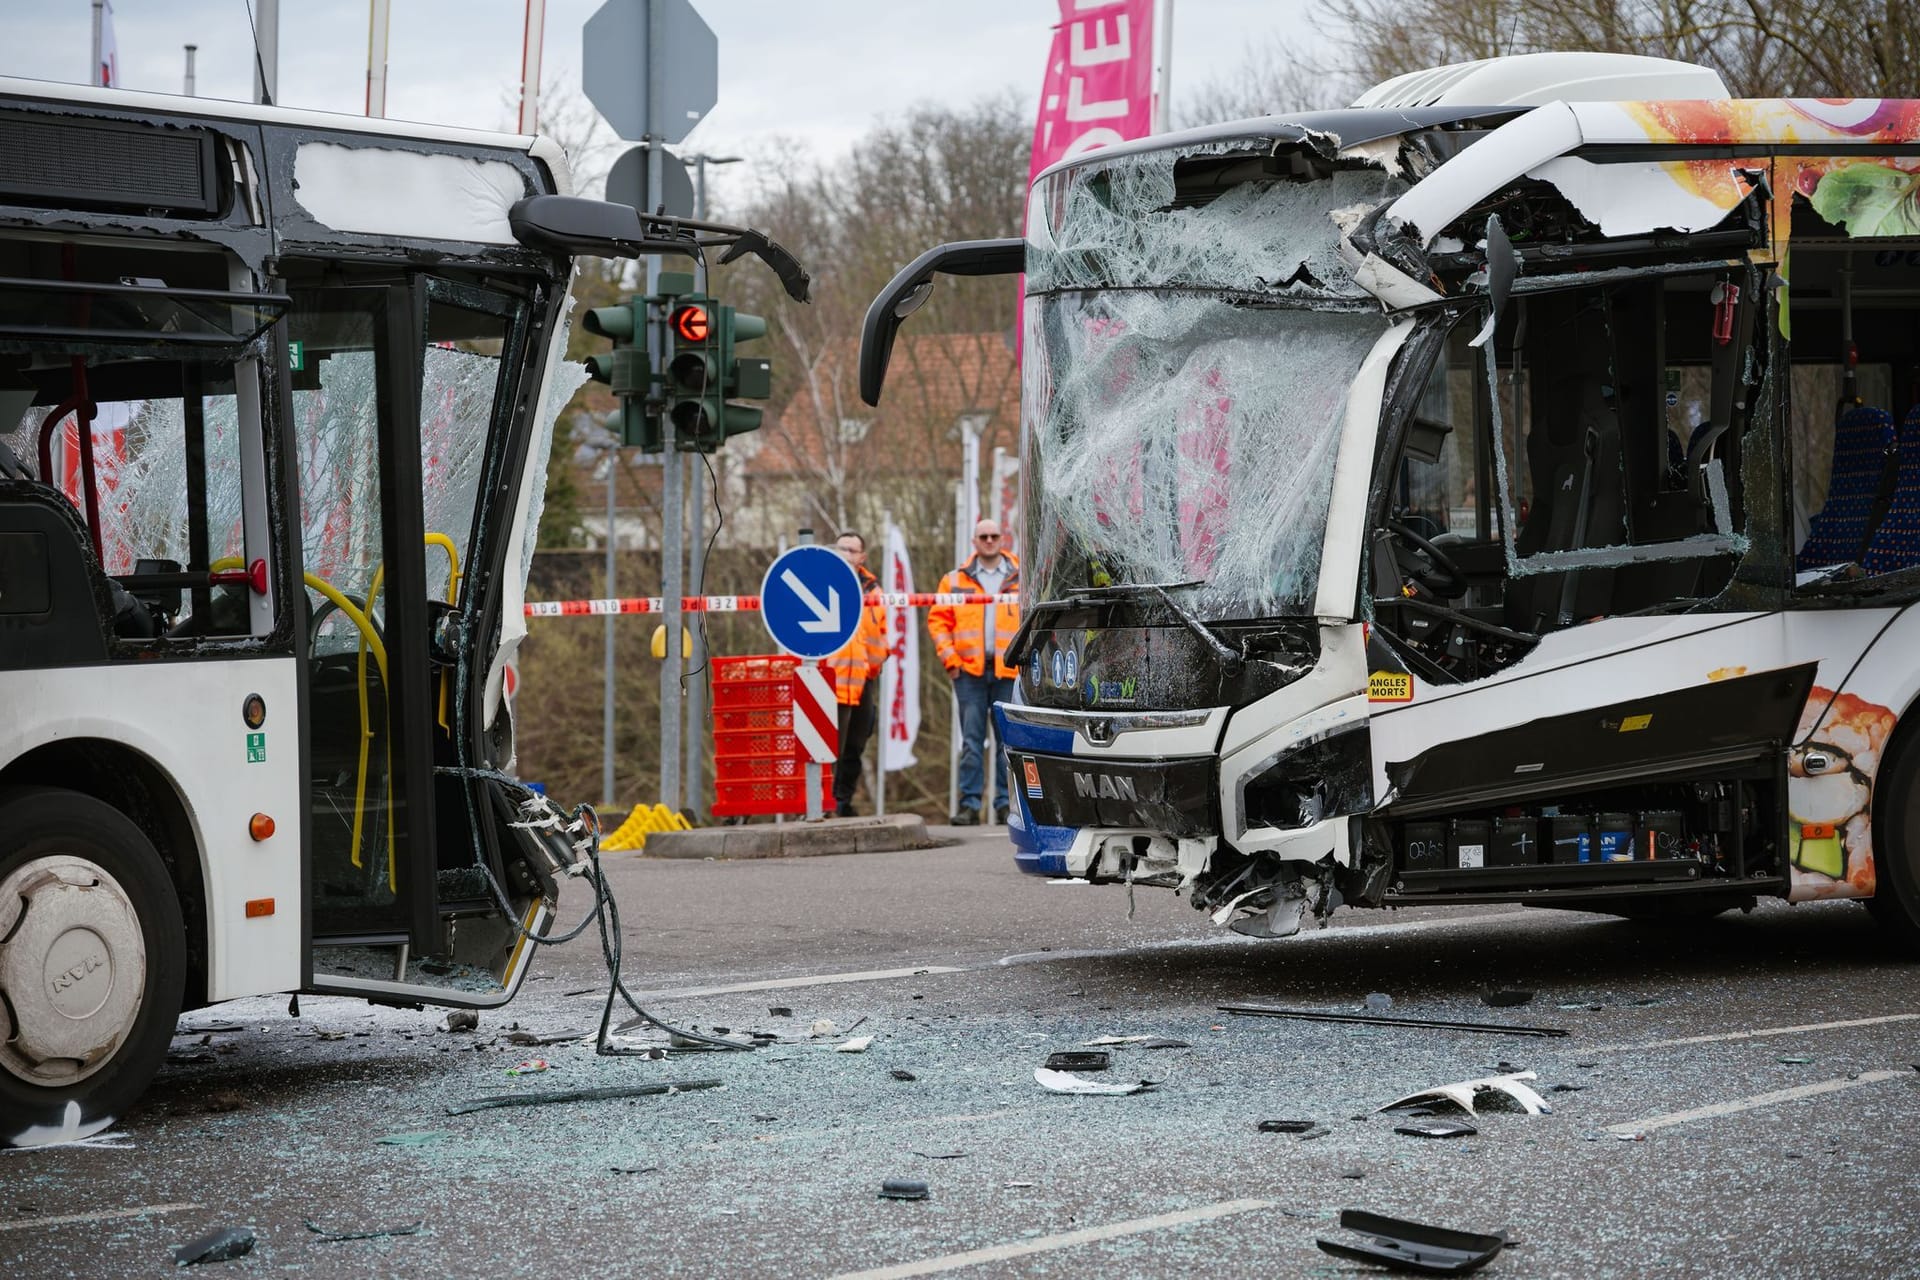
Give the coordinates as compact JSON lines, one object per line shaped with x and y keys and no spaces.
{"x":369,"y":641}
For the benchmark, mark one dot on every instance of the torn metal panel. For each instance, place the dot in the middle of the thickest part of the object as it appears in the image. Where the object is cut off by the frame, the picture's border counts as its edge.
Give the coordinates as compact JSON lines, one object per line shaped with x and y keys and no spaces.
{"x":1634,"y":199}
{"x":1507,"y":153}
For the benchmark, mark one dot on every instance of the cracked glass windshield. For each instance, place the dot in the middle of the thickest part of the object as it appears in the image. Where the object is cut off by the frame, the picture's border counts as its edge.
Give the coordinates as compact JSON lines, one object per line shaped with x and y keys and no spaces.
{"x":1191,"y":335}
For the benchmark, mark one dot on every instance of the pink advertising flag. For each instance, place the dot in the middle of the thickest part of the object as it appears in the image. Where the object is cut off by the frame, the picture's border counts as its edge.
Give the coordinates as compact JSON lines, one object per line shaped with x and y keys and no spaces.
{"x":900,"y":678}
{"x":1099,"y":83}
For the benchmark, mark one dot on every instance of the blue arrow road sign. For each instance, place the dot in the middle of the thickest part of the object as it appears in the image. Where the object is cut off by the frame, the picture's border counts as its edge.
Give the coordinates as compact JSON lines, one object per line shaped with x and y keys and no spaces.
{"x":810,"y":600}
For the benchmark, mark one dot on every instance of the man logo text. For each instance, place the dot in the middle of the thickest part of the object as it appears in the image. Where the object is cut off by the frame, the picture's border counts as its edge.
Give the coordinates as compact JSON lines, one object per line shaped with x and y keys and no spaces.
{"x":1103,"y":787}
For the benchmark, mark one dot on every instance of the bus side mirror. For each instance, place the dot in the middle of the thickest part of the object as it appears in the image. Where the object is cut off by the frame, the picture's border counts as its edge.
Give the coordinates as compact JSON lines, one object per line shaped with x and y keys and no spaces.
{"x":908,"y":291}
{"x":570,"y":224}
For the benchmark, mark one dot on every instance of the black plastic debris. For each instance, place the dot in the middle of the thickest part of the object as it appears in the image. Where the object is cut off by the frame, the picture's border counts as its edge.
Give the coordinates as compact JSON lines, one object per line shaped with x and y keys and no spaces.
{"x":1284,"y":1126}
{"x":1318,"y":1131}
{"x":1565,"y":1088}
{"x":633,"y":1168}
{"x":1079,"y":1060}
{"x":1161,"y":1042}
{"x":1436,"y":1129}
{"x":373,"y":1233}
{"x":904,"y":1189}
{"x":1507,"y":999}
{"x":460,"y":1020}
{"x":221,"y":1246}
{"x":1353,"y":1175}
{"x":606,"y":1094}
{"x":941,"y":1155}
{"x":1374,"y":1020}
{"x":1399,"y":1245}
{"x":901,"y":1073}
{"x":779,"y":1011}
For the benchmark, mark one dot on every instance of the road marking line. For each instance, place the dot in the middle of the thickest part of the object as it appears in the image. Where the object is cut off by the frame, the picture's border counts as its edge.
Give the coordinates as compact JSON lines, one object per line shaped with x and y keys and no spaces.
{"x":787,"y":984}
{"x":63,"y":1219}
{"x":1065,"y":1240}
{"x":1754,"y":1034}
{"x":1758,"y":1100}
{"x":1236,"y":940}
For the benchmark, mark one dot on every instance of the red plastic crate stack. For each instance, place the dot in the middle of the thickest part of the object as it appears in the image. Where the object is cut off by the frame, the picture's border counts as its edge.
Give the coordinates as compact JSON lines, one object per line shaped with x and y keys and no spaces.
{"x":756,"y":764}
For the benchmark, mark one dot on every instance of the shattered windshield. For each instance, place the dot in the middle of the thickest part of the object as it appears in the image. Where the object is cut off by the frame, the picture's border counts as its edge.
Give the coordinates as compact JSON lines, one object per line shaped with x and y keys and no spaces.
{"x":1189,"y":348}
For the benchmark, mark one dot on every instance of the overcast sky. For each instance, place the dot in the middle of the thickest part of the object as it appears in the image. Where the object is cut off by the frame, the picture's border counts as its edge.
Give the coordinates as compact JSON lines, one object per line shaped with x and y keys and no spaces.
{"x":818,"y":72}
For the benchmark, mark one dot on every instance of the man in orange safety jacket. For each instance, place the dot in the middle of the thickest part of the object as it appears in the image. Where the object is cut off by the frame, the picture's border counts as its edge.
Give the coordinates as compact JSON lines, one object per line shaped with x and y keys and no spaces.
{"x":971,"y":640}
{"x":856,"y":679}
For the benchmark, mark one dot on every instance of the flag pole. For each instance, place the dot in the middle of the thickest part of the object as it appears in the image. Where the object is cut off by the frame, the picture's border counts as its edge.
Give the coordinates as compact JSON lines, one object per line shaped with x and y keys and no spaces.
{"x":93,"y":77}
{"x":889,"y":676}
{"x":1163,"y":65}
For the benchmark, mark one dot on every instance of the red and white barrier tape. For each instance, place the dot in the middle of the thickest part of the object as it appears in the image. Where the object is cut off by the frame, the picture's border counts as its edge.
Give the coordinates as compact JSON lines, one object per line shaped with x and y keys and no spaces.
{"x":744,"y":604}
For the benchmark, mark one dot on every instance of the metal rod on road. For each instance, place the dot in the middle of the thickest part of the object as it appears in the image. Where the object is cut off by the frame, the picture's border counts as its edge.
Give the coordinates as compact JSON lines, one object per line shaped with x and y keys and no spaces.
{"x":1378,"y":1020}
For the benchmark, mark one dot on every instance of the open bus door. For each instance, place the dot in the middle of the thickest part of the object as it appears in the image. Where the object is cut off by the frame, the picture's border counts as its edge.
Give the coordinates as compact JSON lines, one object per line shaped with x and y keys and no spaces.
{"x":401,"y":391}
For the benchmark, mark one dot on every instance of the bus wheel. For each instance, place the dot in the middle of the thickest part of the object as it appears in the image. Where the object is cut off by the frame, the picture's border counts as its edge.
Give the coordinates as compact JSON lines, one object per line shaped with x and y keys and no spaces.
{"x":1896,"y":841}
{"x":92,"y":965}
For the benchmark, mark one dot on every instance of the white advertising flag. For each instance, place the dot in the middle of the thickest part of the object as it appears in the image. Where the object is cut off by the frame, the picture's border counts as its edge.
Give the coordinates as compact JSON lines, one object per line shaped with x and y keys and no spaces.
{"x":900,"y":678}
{"x":108,"y":72}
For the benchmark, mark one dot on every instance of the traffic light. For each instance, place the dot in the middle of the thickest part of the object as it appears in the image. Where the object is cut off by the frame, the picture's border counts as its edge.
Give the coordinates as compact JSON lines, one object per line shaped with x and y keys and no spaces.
{"x":694,"y":399}
{"x":750,"y":378}
{"x":627,"y":373}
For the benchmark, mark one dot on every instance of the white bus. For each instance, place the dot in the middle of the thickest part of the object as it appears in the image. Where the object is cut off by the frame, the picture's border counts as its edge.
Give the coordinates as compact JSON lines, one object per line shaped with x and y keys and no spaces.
{"x":277,"y":391}
{"x":1449,"y":500}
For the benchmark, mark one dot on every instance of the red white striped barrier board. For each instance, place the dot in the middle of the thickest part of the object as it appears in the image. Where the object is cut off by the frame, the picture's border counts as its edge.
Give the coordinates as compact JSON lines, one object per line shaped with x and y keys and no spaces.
{"x":816,"y":714}
{"x":744,"y":604}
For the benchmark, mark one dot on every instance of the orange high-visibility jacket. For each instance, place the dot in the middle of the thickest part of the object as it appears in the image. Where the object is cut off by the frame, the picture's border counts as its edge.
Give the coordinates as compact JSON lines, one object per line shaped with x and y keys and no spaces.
{"x":960,"y":630}
{"x":860,"y":659}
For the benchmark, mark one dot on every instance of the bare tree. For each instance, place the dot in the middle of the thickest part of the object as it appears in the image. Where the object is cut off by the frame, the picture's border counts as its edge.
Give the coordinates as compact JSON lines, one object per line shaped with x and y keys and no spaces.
{"x":1273,"y":76}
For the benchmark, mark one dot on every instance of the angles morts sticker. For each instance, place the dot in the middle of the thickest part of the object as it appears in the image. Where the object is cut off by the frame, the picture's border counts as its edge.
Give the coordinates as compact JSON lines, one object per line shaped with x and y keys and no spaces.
{"x":1389,"y":686}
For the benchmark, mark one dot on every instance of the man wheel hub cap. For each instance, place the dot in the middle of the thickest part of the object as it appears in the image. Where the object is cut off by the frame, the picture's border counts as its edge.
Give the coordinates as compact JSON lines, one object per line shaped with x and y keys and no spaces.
{"x":73,"y":967}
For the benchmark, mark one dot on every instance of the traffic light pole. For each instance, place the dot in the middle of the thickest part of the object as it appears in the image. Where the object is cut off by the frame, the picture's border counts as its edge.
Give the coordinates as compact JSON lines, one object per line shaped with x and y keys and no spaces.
{"x":672,"y":496}
{"x":697,"y":554}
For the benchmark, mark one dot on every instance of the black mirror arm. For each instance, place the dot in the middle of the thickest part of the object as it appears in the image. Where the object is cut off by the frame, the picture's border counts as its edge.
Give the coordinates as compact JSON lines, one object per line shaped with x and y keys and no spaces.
{"x":962,"y":258}
{"x":600,"y":228}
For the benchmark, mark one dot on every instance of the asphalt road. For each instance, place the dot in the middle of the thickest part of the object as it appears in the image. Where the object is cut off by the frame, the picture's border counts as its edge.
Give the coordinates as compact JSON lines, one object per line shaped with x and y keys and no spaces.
{"x":1740,"y":1097}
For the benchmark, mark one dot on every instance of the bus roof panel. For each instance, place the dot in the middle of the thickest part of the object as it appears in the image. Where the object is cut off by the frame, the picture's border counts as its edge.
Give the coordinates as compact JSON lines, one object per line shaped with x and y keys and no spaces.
{"x":42,"y":91}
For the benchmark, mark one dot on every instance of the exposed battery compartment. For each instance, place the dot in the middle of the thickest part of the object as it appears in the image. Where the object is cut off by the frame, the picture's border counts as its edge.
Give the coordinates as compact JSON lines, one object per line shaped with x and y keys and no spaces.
{"x":1651,"y":833}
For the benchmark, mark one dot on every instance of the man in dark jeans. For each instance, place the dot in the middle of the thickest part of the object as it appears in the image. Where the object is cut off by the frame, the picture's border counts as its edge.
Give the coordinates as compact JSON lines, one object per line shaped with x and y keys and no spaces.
{"x":971,"y":640}
{"x":856,"y":679}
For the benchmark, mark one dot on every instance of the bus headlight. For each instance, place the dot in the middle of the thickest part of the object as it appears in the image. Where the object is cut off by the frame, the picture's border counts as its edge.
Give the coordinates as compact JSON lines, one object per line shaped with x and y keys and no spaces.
{"x":1325,"y":777}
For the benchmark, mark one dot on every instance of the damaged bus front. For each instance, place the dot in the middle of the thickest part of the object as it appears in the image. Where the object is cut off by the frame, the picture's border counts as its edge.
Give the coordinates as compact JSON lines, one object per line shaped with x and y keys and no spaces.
{"x":1437,"y":501}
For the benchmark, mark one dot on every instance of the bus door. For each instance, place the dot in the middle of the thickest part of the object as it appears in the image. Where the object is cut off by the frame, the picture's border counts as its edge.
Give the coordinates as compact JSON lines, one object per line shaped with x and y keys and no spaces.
{"x":396,"y":388}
